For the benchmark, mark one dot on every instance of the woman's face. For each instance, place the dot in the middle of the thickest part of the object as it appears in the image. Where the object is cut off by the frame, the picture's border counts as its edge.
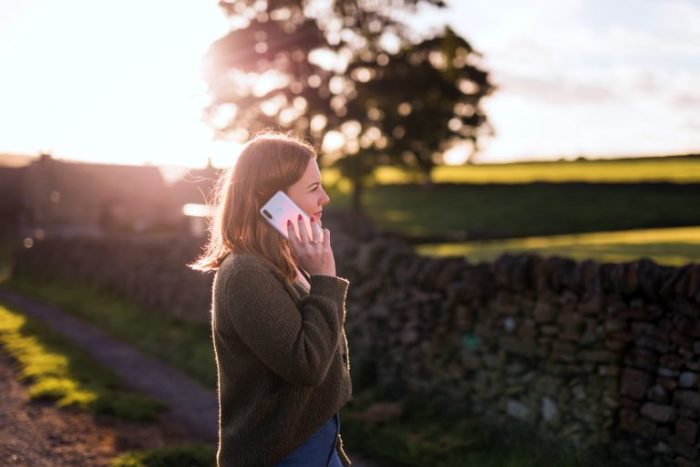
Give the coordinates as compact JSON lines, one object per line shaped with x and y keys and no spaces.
{"x":308,"y":193}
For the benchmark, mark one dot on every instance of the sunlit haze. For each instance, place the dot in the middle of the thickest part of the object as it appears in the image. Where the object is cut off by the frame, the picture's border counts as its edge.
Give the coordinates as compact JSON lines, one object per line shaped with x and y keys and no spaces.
{"x":107,"y":81}
{"x":121,"y":81}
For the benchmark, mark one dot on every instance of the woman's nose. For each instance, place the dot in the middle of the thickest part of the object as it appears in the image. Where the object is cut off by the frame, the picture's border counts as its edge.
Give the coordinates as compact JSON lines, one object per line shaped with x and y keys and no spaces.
{"x":325,"y":198}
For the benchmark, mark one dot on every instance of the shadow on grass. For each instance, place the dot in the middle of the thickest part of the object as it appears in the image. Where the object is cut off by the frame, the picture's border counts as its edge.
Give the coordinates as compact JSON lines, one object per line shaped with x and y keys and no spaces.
{"x":58,"y":371}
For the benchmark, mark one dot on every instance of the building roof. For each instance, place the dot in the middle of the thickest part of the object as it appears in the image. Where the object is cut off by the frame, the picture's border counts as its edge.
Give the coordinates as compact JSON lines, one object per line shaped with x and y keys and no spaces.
{"x":16,"y":160}
{"x":196,"y":185}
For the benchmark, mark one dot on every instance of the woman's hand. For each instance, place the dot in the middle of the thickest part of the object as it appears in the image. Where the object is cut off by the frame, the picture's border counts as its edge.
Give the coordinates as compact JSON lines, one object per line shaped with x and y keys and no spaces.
{"x":313,"y":254}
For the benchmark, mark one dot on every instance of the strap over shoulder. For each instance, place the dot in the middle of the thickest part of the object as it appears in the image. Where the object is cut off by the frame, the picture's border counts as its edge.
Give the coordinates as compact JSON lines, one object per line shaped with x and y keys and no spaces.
{"x":341,"y":452}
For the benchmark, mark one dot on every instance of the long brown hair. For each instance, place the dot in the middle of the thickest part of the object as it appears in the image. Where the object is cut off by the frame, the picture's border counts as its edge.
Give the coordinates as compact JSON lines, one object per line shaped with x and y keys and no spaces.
{"x":268,"y":163}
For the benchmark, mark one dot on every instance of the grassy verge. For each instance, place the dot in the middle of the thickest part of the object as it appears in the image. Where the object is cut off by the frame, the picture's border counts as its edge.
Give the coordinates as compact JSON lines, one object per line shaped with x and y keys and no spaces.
{"x":184,"y":345}
{"x":186,"y":455}
{"x":58,"y":371}
{"x":672,"y":247}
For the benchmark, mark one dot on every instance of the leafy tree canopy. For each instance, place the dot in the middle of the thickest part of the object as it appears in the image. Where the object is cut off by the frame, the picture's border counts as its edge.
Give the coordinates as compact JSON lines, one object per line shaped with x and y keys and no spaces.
{"x":352,"y":75}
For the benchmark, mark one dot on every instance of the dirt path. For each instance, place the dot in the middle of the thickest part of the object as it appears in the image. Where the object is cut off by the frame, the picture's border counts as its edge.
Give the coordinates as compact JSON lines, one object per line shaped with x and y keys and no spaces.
{"x":39,"y":434}
{"x":190,"y":402}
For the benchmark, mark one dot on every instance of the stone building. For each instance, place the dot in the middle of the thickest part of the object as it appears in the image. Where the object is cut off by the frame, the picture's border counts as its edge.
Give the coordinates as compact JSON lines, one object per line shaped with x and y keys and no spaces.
{"x":45,"y":196}
{"x":68,"y":198}
{"x":12,"y":169}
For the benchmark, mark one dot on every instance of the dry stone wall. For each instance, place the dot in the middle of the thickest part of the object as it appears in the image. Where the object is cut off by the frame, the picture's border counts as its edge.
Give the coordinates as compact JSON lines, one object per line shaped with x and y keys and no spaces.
{"x":592,"y":352}
{"x":150,"y":270}
{"x":588,"y":351}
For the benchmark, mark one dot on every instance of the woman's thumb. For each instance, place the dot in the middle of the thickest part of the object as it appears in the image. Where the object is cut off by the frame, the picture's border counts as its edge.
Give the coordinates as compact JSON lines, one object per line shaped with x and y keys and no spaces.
{"x":326,"y":237}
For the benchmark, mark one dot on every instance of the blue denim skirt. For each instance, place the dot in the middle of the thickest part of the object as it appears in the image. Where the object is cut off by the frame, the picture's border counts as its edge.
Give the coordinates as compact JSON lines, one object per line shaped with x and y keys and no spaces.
{"x":319,"y":450}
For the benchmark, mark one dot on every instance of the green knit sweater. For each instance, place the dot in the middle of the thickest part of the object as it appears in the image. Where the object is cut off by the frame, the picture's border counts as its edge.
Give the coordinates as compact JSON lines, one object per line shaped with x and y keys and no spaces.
{"x":282,"y":360}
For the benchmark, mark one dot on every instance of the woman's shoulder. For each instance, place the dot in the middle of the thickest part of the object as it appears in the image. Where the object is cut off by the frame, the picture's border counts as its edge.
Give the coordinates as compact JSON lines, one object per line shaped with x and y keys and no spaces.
{"x":245,"y":265}
{"x":242,"y":260}
{"x":248,"y":274}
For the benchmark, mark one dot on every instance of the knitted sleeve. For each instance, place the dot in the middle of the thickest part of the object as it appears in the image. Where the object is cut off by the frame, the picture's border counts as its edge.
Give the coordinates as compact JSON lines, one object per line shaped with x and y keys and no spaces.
{"x":297,"y":342}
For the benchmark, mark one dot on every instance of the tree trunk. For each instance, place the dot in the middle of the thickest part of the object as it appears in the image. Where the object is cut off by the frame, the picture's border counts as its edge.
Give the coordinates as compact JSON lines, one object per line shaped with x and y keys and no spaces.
{"x":428,"y":179}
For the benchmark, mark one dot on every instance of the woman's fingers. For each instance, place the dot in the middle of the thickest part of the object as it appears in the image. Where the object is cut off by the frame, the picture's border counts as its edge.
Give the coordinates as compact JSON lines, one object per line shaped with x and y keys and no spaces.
{"x":316,"y":232}
{"x":303,"y":233}
{"x":313,"y":254}
{"x":326,"y":238}
{"x":291,"y":234}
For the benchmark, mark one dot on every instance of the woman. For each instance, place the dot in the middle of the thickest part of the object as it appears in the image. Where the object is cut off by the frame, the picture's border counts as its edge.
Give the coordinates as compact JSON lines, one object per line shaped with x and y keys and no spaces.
{"x":278,"y":311}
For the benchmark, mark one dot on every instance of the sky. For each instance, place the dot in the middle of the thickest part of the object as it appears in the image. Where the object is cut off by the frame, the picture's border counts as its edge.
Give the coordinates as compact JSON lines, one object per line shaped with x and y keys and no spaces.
{"x":595,"y":78}
{"x":120,"y":82}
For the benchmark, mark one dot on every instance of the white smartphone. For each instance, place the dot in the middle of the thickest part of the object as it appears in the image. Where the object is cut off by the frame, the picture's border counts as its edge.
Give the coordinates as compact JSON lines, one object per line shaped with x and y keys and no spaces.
{"x":279,"y":209}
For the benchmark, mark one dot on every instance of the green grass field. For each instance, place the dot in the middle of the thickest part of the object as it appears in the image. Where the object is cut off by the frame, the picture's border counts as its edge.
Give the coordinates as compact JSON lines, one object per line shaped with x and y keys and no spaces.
{"x":671,"y":247}
{"x":473,"y":212}
{"x":676,"y":169}
{"x":535,"y":198}
{"x":679,"y":169}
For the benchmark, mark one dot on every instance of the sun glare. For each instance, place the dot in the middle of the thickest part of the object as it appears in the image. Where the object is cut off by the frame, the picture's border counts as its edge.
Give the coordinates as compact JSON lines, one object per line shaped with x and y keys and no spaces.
{"x":103,"y":84}
{"x":458,"y":154}
{"x":121,"y":82}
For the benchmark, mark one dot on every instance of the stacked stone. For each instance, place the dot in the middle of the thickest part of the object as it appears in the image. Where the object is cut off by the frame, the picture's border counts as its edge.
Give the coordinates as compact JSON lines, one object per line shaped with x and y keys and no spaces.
{"x":149,"y":270}
{"x":592,"y":352}
{"x":659,"y":391}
